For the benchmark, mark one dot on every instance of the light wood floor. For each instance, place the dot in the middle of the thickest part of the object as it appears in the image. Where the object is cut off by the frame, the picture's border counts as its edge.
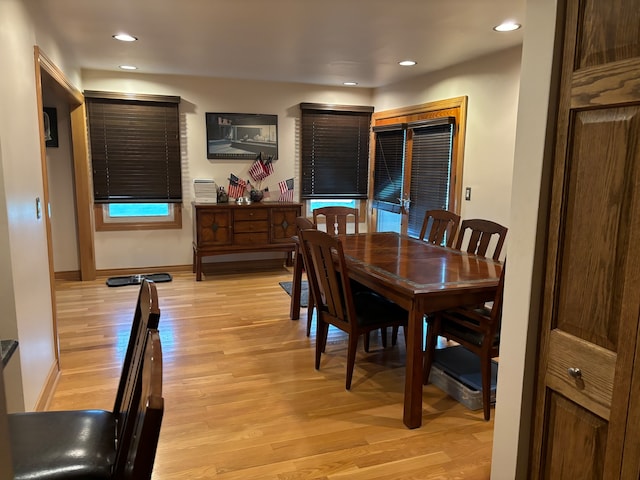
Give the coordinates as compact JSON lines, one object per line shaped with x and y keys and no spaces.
{"x":242,"y":398}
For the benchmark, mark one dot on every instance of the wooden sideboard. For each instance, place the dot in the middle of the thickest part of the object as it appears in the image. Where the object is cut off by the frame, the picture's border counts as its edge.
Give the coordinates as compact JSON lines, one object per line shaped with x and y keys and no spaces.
{"x":226,"y":228}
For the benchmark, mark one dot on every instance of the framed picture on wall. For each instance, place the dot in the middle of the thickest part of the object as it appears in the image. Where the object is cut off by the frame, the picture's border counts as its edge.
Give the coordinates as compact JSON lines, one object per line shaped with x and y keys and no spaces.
{"x":241,"y":135}
{"x":50,"y":126}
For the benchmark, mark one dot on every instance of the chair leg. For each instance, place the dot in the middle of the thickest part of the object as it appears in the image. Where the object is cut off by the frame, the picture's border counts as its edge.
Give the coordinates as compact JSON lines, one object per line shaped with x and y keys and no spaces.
{"x":296,"y":288}
{"x":351,"y":358}
{"x":485,"y":367}
{"x":322,"y":329}
{"x":394,"y":336}
{"x":310,"y":308}
{"x":367,"y":341}
{"x":432,"y":338}
{"x":383,"y":334}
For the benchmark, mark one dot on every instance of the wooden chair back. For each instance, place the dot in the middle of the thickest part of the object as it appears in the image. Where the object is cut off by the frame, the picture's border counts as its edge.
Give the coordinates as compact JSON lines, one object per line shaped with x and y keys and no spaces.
{"x":146,"y":317}
{"x":481,"y":233}
{"x":328,"y":278}
{"x":337,"y":219}
{"x":303,"y":223}
{"x":135,"y":455}
{"x":440,"y":227}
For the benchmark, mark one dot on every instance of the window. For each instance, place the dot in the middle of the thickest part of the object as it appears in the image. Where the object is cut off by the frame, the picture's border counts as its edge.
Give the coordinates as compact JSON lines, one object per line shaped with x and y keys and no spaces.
{"x":335,"y":151}
{"x":418,"y":158}
{"x":389,"y":167}
{"x":135,"y":157}
{"x":430,"y":169}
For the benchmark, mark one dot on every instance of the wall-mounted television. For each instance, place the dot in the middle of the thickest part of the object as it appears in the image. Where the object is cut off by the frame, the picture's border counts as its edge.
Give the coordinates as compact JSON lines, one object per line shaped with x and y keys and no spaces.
{"x":241,"y":135}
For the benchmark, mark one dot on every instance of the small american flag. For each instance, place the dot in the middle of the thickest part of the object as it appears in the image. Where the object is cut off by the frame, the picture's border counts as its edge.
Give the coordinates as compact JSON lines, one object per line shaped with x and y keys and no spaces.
{"x":236,"y":186}
{"x":261,"y":169}
{"x":286,"y":190}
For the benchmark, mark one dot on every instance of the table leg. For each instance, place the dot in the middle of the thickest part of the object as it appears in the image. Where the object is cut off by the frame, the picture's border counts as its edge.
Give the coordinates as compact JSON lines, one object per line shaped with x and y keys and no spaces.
{"x":294,"y":311}
{"x":413,"y":382}
{"x":198,"y":265}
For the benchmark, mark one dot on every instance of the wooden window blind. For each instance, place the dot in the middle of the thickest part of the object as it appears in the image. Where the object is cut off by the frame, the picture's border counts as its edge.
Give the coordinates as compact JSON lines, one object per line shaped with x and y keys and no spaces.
{"x":388,"y":167}
{"x":135,"y":148}
{"x":335,"y":151}
{"x":430,"y":168}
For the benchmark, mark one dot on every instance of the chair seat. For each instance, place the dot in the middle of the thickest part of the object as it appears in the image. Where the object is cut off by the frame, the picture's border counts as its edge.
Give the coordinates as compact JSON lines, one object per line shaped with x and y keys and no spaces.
{"x":67,"y":445}
{"x":373,"y":310}
{"x":457,"y":330}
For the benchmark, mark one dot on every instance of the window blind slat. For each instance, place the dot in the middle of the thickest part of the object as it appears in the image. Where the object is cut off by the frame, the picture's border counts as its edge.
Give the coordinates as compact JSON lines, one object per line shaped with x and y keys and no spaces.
{"x":335,"y":152}
{"x":135,"y":150}
{"x":430,"y":172}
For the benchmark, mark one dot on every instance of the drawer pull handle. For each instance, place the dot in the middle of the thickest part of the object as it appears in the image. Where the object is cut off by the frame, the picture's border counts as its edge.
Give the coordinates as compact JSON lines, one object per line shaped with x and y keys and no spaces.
{"x":574,"y":372}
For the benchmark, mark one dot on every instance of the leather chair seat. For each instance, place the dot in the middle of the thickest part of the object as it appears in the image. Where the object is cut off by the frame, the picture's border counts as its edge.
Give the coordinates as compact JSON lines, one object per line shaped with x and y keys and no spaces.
{"x":63,"y":445}
{"x":372,"y":309}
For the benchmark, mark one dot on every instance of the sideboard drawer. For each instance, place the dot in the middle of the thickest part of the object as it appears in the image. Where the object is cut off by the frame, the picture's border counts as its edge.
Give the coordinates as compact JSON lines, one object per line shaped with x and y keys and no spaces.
{"x":247,"y":213}
{"x":248,"y":227}
{"x":251,"y":238}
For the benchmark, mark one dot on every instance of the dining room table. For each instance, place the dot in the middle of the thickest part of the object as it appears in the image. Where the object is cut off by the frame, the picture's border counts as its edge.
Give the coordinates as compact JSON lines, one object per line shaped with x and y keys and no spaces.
{"x":422,"y":278}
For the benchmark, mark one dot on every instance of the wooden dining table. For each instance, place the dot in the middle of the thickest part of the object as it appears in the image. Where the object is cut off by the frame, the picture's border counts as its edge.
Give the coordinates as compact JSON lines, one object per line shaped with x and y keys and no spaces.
{"x":422,"y":278}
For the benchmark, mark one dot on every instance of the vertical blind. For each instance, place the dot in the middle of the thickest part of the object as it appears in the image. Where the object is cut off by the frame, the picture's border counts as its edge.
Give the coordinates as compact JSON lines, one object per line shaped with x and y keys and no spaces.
{"x":430,"y":169}
{"x":335,"y":151}
{"x":135,"y":148}
{"x":389,"y":167}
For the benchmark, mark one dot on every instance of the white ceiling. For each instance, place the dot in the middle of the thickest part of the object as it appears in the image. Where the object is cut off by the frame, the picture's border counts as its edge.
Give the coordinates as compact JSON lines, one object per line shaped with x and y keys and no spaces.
{"x":325,"y":42}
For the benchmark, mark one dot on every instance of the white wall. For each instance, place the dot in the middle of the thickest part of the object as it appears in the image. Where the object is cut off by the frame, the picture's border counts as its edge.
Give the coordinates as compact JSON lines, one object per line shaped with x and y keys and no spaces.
{"x":523,"y":281}
{"x":491,"y":84}
{"x":200,"y":95}
{"x":26,"y":308}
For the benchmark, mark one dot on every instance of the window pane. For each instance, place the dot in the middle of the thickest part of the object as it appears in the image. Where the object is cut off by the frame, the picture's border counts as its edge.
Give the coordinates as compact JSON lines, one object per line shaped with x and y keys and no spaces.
{"x":430,"y":173}
{"x":388,"y":170}
{"x":120,"y":210}
{"x":313,"y":204}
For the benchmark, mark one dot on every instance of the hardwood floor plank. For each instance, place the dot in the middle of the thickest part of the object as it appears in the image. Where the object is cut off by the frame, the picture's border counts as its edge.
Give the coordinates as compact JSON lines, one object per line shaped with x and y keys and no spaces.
{"x":242,"y":398}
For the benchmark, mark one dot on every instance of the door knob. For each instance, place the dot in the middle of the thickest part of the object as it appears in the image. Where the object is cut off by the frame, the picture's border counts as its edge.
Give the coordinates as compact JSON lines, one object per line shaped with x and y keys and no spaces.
{"x":574,"y":372}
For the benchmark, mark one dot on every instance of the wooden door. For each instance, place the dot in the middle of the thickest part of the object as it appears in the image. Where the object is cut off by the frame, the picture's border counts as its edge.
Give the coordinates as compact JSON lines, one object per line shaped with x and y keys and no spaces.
{"x":587,"y":407}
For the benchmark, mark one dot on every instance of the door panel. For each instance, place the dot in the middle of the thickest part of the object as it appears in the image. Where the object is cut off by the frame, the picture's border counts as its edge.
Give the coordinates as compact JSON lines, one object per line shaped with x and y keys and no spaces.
{"x":583,"y":425}
{"x":576,"y":443}
{"x":596,"y":229}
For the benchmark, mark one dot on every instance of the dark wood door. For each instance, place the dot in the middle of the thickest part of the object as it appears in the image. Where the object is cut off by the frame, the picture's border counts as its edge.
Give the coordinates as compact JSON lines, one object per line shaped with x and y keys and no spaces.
{"x":587,"y":407}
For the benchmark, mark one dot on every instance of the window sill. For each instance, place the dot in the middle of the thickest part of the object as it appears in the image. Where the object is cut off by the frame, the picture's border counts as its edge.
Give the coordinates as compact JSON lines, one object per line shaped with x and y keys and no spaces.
{"x":175,"y":222}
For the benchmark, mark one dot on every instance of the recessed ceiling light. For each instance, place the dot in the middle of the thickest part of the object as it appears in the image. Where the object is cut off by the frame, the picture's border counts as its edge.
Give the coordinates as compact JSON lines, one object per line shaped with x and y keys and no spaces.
{"x":128,"y":67}
{"x":507,"y":27}
{"x":407,"y":63}
{"x":125,"y":37}
{"x":350,"y":84}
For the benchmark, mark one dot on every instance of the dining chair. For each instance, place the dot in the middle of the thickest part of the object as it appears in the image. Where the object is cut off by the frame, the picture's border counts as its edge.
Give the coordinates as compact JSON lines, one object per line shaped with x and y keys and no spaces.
{"x":100,"y":444}
{"x":475,"y":328}
{"x":439,"y":227}
{"x":482,"y":232}
{"x":340,"y":302}
{"x":337,"y":219}
{"x":302,"y":223}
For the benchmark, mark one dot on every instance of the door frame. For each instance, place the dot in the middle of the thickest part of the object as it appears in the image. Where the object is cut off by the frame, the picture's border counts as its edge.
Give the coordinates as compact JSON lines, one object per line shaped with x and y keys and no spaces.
{"x":83,"y":200}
